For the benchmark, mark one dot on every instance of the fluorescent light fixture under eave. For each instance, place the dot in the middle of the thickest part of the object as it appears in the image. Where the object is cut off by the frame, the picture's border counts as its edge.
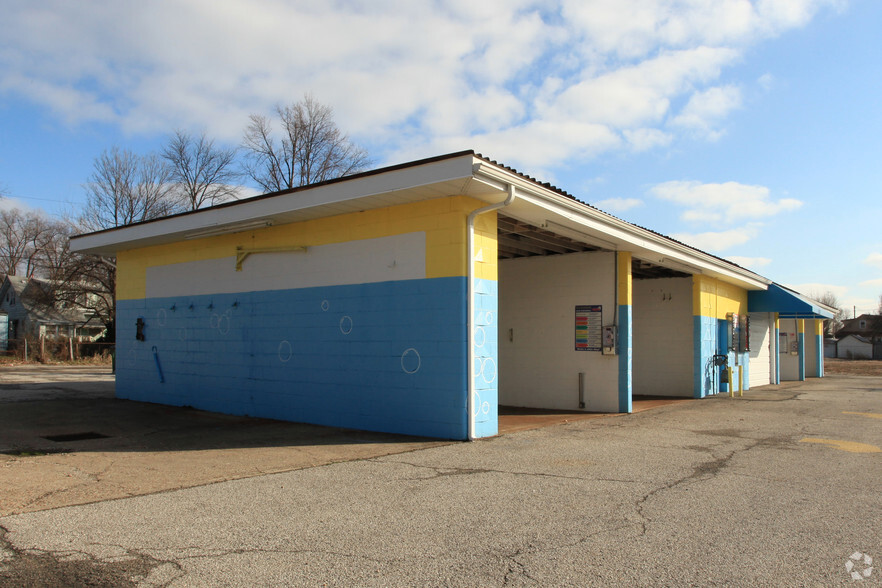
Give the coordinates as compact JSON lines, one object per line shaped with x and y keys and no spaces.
{"x":230,"y":228}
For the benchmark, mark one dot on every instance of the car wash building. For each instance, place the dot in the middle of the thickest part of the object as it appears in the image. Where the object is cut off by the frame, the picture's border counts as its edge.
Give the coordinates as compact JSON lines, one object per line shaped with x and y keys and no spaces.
{"x":419,"y":298}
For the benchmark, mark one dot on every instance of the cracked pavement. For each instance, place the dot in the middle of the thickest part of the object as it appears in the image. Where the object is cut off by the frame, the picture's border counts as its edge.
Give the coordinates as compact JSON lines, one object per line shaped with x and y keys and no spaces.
{"x":718,"y":492}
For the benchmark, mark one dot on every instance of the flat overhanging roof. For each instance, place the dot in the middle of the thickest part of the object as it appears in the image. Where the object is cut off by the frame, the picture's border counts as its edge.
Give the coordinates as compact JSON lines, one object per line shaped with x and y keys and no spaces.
{"x":464,"y":173}
{"x":788,"y":304}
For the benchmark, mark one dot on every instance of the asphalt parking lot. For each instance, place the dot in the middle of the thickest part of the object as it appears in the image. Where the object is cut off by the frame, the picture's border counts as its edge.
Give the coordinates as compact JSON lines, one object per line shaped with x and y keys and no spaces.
{"x":778,"y":488}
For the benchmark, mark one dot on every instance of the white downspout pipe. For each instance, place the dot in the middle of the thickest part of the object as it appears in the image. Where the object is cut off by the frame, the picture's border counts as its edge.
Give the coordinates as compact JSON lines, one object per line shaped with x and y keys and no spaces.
{"x":470,"y":295}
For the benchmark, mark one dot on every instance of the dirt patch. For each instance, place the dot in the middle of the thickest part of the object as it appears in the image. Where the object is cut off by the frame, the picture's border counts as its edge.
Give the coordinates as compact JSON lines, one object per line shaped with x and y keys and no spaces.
{"x":853,"y":367}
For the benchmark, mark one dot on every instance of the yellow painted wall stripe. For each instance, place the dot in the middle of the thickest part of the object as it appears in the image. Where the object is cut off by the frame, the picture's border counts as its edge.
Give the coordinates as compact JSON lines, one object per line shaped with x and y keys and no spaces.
{"x":623,"y":259}
{"x":849,"y":446}
{"x":442,"y":219}
{"x":714,"y":298}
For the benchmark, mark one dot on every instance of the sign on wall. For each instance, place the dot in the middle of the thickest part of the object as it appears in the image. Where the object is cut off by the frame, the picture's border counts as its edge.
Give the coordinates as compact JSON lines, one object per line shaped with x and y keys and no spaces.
{"x":589,"y":327}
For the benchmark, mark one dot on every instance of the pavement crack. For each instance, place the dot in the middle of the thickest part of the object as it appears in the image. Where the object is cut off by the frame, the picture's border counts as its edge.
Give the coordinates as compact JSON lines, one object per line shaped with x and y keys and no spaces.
{"x":704,"y":470}
{"x":441,"y":471}
{"x":38,"y":567}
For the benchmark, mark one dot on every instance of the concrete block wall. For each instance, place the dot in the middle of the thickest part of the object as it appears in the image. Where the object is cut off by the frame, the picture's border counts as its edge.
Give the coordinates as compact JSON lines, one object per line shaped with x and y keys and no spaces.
{"x":366,"y":329}
{"x":663,"y":337}
{"x":538,"y":364}
{"x":712,"y":301}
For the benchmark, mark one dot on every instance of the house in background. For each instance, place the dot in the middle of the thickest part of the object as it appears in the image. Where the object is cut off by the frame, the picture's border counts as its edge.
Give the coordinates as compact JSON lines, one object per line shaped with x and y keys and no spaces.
{"x":866,"y":329}
{"x":23,"y":301}
{"x":854,"y":347}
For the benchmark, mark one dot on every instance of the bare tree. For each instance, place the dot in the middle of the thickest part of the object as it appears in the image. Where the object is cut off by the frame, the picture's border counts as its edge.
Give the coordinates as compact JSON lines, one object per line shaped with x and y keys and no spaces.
{"x":834,"y":324}
{"x":86,"y":282}
{"x":24,"y":239}
{"x":126,"y":188}
{"x":311,"y":148}
{"x":203,"y":172}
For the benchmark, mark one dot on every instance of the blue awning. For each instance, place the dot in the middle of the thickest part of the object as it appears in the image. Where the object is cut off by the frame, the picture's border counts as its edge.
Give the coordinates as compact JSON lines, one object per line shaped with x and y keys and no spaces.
{"x":787,"y":303}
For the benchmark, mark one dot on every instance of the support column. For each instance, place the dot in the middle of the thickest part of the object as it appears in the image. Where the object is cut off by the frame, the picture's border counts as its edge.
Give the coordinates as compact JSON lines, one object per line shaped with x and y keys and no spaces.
{"x":624,"y":289}
{"x":819,"y":339}
{"x":777,"y":334}
{"x":800,"y":335}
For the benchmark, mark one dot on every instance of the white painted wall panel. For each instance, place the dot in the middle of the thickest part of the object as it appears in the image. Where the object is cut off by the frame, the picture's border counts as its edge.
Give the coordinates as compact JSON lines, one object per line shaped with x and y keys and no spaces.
{"x":851,"y":348}
{"x":789,"y":362}
{"x":760,"y":351}
{"x":538,"y":365}
{"x":663,"y":331}
{"x":399,"y":257}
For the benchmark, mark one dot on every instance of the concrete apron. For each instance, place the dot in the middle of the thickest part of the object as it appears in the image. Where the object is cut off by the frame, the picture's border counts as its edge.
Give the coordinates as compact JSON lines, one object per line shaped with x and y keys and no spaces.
{"x":65,"y":440}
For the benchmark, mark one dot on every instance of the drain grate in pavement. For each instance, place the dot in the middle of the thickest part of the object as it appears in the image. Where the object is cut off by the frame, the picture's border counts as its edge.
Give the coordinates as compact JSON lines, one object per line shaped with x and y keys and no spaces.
{"x":75,"y":437}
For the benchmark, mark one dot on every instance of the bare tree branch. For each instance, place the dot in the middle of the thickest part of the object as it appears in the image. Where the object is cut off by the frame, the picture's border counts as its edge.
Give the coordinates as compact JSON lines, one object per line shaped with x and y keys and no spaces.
{"x":311,"y":148}
{"x":204,"y":173}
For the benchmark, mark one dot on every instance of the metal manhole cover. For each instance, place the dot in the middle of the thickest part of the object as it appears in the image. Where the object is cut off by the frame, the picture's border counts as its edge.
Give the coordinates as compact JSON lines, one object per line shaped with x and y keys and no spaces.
{"x":75,"y":437}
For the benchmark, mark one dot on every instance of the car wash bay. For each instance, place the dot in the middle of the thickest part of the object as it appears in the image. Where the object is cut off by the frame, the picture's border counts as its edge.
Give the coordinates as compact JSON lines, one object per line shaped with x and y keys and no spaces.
{"x":552,"y":289}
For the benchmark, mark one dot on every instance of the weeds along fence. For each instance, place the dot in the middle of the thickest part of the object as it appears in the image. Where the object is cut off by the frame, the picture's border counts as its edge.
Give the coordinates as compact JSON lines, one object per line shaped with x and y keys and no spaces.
{"x":45,"y":349}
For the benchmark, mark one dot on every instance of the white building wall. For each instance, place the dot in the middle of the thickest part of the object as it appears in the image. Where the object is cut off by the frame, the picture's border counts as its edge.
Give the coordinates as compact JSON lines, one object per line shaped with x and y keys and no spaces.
{"x":851,"y":348}
{"x":788,"y":339}
{"x":760,"y":372}
{"x":663,"y":337}
{"x":538,"y":364}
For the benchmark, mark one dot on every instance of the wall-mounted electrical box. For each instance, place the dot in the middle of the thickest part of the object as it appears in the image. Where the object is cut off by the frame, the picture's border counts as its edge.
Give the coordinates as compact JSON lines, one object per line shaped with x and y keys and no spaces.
{"x":610,"y":340}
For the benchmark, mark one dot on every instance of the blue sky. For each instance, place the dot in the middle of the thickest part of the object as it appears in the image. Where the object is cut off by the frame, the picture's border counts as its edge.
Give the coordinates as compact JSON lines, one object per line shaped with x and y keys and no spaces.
{"x":748,"y":129}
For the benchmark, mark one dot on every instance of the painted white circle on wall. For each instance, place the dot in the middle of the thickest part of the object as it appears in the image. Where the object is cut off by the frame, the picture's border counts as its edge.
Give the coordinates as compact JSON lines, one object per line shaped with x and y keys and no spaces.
{"x":285,"y":351}
{"x":161,"y":316}
{"x":411,"y":361}
{"x":488,"y":375}
{"x":325,"y":305}
{"x":480,"y":337}
{"x":346,"y":325}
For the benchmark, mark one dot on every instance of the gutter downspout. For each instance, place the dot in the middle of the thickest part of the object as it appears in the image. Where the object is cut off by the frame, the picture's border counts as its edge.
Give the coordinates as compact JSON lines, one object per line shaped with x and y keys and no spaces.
{"x":470,"y":256}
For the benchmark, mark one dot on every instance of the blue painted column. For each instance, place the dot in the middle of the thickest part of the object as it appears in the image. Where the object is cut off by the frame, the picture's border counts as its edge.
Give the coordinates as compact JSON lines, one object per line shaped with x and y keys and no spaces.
{"x":819,"y":339}
{"x":623,"y":265}
{"x":800,"y":330}
{"x":486,"y":404}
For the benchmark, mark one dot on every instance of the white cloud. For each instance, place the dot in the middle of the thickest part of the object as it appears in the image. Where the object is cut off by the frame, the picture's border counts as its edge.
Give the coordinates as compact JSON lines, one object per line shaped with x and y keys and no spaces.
{"x":730,"y":201}
{"x":410,"y":77}
{"x":617,"y":204}
{"x":706,"y":109}
{"x":750,"y":262}
{"x":8,"y":203}
{"x":874,"y":259}
{"x":719,"y":240}
{"x":876,"y":282}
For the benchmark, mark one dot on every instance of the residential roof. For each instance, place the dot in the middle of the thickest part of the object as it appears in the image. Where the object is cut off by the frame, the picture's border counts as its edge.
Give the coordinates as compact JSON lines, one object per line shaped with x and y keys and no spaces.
{"x":467,"y":173}
{"x":37,"y":311}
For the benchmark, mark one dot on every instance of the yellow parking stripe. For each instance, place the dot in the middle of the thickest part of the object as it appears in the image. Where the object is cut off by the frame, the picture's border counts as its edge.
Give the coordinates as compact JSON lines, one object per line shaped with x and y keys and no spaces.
{"x":850,"y":446}
{"x":872,"y":415}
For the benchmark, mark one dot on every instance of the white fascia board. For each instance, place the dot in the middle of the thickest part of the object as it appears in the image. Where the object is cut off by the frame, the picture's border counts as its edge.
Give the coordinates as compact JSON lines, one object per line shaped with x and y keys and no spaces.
{"x":627,"y":237}
{"x":235,"y":215}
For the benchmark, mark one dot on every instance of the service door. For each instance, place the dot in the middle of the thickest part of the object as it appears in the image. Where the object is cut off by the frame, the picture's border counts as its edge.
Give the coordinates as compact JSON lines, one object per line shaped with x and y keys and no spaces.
{"x":760,"y":355}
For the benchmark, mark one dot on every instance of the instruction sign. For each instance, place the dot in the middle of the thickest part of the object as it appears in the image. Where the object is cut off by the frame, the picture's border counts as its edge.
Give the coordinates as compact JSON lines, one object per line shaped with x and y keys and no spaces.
{"x":589,"y":327}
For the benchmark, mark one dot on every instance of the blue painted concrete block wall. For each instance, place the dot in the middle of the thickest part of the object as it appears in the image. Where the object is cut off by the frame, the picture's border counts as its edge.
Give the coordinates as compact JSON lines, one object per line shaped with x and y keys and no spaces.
{"x":486,"y":401}
{"x":626,"y":355}
{"x":384,"y":356}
